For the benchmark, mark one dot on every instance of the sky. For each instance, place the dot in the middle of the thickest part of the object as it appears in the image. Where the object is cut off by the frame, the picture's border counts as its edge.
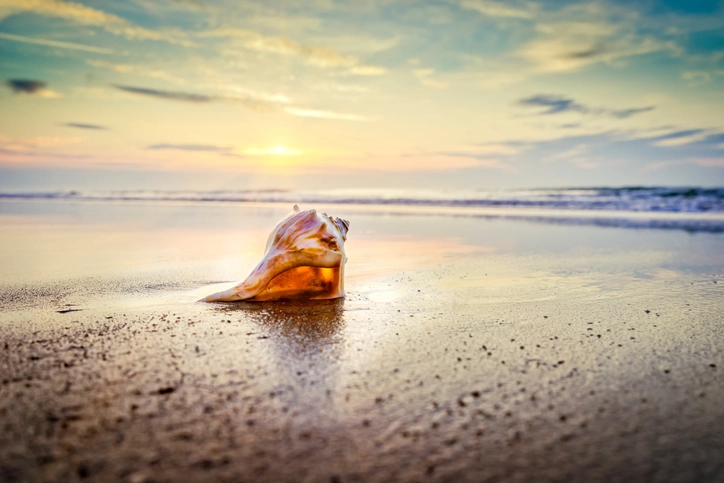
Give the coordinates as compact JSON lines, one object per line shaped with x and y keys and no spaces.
{"x":318,"y":94}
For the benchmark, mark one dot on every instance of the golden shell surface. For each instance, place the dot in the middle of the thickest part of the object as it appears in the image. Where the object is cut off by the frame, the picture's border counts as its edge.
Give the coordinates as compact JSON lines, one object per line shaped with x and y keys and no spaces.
{"x":304,"y":258}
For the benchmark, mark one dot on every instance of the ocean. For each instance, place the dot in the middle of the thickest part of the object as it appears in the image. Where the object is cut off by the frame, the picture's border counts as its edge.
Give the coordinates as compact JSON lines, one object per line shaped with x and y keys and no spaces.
{"x":631,"y":199}
{"x":694,"y":209}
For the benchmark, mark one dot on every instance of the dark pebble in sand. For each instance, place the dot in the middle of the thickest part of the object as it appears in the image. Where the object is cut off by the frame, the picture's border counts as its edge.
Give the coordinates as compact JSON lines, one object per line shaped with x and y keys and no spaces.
{"x":166,"y":390}
{"x":83,"y":471}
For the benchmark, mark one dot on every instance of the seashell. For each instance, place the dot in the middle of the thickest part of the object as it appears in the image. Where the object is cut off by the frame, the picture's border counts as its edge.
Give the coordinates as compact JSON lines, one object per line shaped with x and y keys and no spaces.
{"x":304,"y":258}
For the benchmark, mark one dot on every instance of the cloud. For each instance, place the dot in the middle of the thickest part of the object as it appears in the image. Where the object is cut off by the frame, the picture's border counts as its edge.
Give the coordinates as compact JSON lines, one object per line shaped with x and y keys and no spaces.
{"x":324,"y":114}
{"x":227,"y":151}
{"x":24,"y":86}
{"x":83,"y":15}
{"x":681,"y":138}
{"x":554,"y":104}
{"x":18,"y":150}
{"x":190,"y":147}
{"x":618,"y":156}
{"x":424,"y":76}
{"x":169,"y":95}
{"x":83,"y":126}
{"x":254,"y":41}
{"x":457,"y":160}
{"x":247,"y":39}
{"x":259,"y":105}
{"x":574,"y":155}
{"x":136,"y":69}
{"x":624,"y":113}
{"x":366,"y":70}
{"x":256,"y":104}
{"x":55,"y":43}
{"x":244,"y":93}
{"x":583,"y":34}
{"x":489,"y":155}
{"x":485,"y":150}
{"x":710,"y":162}
{"x":699,"y":77}
{"x":31,"y":87}
{"x":501,"y":9}
{"x":696,"y":77}
{"x":343,"y":88}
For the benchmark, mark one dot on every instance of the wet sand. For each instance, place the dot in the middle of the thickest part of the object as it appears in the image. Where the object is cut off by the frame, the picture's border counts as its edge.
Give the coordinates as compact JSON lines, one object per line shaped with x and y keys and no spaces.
{"x":466,"y":350}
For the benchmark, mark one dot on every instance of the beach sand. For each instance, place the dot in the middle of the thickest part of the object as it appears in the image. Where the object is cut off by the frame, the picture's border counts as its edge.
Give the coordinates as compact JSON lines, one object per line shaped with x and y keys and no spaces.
{"x":467,"y":349}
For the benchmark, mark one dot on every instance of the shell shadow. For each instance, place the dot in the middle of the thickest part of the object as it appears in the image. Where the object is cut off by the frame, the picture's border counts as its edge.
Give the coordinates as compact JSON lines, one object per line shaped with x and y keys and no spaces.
{"x":302,"y":325}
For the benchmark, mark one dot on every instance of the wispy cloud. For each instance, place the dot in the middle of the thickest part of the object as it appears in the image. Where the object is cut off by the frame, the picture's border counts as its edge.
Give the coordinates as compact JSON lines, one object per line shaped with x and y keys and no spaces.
{"x":19,"y":148}
{"x":699,"y":77}
{"x":83,"y":15}
{"x":55,"y":43}
{"x":366,"y":70}
{"x":317,"y":56}
{"x":554,"y":104}
{"x":254,"y":104}
{"x":324,"y":114}
{"x":80,"y":125}
{"x":710,"y":162}
{"x":257,"y":104}
{"x":486,"y":150}
{"x":425,"y":76}
{"x":168,"y":95}
{"x":135,"y":69}
{"x":245,"y":93}
{"x":257,"y":42}
{"x":31,"y":87}
{"x":681,"y":138}
{"x":446,"y":160}
{"x":190,"y":147}
{"x":575,"y":155}
{"x":495,"y":9}
{"x":583,"y":34}
{"x":624,"y":113}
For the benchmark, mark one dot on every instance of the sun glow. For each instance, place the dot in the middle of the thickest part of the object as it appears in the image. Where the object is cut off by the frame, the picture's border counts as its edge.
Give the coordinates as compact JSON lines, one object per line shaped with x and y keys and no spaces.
{"x":272,"y":151}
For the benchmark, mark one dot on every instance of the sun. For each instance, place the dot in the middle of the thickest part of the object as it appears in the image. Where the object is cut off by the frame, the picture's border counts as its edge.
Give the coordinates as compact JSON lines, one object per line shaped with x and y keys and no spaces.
{"x":282,"y":151}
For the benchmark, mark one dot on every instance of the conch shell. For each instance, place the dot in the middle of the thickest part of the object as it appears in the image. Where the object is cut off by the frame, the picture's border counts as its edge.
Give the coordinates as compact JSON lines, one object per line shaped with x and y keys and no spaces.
{"x":304,"y":258}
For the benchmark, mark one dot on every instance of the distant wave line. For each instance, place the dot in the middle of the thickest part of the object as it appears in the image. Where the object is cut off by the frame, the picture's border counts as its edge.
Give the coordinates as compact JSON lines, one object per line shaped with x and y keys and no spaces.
{"x":635,"y":199}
